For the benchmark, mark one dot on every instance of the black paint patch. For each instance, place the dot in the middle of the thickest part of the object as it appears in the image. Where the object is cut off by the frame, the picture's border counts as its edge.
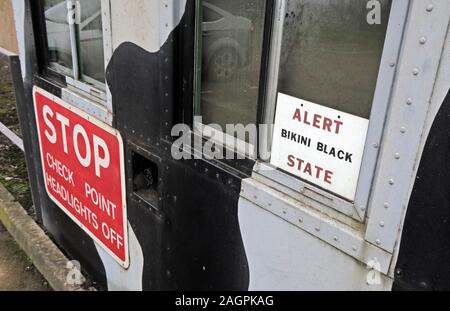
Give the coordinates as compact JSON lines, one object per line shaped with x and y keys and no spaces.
{"x":424,"y":260}
{"x":189,"y":232}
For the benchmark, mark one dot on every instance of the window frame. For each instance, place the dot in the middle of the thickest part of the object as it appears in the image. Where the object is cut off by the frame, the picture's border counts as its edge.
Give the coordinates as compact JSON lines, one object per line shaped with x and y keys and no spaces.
{"x":241,"y":148}
{"x":92,"y":96}
{"x":383,"y":90}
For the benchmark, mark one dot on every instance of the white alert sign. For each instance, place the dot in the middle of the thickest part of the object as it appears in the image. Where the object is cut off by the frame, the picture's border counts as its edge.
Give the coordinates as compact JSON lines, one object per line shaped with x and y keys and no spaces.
{"x":321,"y":145}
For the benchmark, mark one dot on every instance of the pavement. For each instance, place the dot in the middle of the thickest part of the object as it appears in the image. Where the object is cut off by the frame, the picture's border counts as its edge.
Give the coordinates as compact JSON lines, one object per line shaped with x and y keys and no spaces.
{"x":17,"y":272}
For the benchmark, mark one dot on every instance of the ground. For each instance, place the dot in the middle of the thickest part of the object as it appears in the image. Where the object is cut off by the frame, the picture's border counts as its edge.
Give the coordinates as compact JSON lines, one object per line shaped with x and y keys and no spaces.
{"x":17,"y":272}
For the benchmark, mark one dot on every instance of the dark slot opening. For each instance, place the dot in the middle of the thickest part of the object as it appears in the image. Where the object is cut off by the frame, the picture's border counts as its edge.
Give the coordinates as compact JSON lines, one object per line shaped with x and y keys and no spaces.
{"x":145,"y":179}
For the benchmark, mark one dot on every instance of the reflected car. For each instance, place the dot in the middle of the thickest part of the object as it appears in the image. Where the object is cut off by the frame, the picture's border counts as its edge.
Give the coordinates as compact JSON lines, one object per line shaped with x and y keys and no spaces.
{"x":226,"y":42}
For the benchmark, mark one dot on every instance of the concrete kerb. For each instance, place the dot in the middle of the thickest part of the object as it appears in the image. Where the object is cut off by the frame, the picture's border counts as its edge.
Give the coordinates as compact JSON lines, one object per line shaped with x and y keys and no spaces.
{"x":44,"y":254}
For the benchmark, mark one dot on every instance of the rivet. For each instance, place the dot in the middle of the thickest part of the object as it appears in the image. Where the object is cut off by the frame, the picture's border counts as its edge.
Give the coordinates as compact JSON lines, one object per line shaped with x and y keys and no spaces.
{"x":397,"y":156}
{"x":285,"y":212}
{"x":409,"y":101}
{"x":302,"y":190}
{"x":430,"y":8}
{"x":336,"y":239}
{"x":416,"y":71}
{"x":376,"y":145}
{"x":392,"y":64}
{"x":403,"y":130}
{"x":300,"y":220}
{"x":355,"y":248}
{"x":363,"y":209}
{"x":423,"y":40}
{"x":391,"y":182}
{"x":386,"y":205}
{"x":317,"y":229}
{"x":378,"y":242}
{"x":382,"y":224}
{"x":269,"y":204}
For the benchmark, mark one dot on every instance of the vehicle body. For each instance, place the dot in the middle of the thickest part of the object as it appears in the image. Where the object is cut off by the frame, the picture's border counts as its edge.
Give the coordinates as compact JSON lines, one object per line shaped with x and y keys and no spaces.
{"x":347,"y":99}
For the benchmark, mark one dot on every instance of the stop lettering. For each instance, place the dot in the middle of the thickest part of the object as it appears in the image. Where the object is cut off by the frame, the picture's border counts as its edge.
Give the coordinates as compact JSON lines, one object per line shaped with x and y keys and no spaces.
{"x":98,"y":153}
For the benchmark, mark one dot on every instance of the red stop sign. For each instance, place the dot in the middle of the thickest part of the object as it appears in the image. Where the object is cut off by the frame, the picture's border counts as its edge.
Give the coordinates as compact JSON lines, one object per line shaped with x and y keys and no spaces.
{"x":83,"y":166}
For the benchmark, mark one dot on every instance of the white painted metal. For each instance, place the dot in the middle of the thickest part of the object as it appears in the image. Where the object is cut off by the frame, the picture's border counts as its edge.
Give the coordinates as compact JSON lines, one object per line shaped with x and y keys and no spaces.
{"x":97,"y":109}
{"x":107,"y":48}
{"x":283,"y":257}
{"x":343,"y":237}
{"x":410,"y":104}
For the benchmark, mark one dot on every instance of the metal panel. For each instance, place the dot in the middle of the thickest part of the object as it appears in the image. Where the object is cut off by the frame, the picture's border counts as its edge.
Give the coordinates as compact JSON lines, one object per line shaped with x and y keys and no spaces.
{"x":340,"y":236}
{"x":381,"y":101}
{"x":287,"y":258}
{"x":418,"y":67}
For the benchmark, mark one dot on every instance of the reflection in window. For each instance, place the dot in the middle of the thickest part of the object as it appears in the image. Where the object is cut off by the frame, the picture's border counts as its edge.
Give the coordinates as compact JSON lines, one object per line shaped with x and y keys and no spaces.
{"x":231,"y":35}
{"x":58,"y":36}
{"x":89,"y":38}
{"x":91,"y":41}
{"x":330,"y":54}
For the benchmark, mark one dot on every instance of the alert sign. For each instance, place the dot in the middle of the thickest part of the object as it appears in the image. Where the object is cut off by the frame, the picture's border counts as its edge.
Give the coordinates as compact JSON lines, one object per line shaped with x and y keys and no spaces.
{"x":321,"y":145}
{"x":83,"y":166}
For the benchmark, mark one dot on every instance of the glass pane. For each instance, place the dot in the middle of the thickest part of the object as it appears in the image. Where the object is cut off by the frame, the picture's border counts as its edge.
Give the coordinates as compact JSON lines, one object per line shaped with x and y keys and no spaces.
{"x":58,"y":37}
{"x":232,"y":33}
{"x":90,"y":34}
{"x":331,"y":54}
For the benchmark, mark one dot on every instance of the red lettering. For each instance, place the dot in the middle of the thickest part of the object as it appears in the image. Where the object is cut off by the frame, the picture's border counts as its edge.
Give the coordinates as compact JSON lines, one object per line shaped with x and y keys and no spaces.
{"x":327,"y":124}
{"x":297,"y":115}
{"x":338,"y":126}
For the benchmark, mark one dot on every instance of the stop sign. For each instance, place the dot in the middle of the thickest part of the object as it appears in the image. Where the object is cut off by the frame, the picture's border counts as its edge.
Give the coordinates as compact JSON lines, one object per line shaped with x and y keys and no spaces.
{"x":83,"y":167}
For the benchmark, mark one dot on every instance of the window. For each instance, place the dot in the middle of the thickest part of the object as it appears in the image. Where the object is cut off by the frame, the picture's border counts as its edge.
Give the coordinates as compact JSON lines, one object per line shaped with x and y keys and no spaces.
{"x":325,"y":62}
{"x":75,"y":39}
{"x":229,"y":60}
{"x":210,"y":15}
{"x":321,"y":91}
{"x":330,"y":55}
